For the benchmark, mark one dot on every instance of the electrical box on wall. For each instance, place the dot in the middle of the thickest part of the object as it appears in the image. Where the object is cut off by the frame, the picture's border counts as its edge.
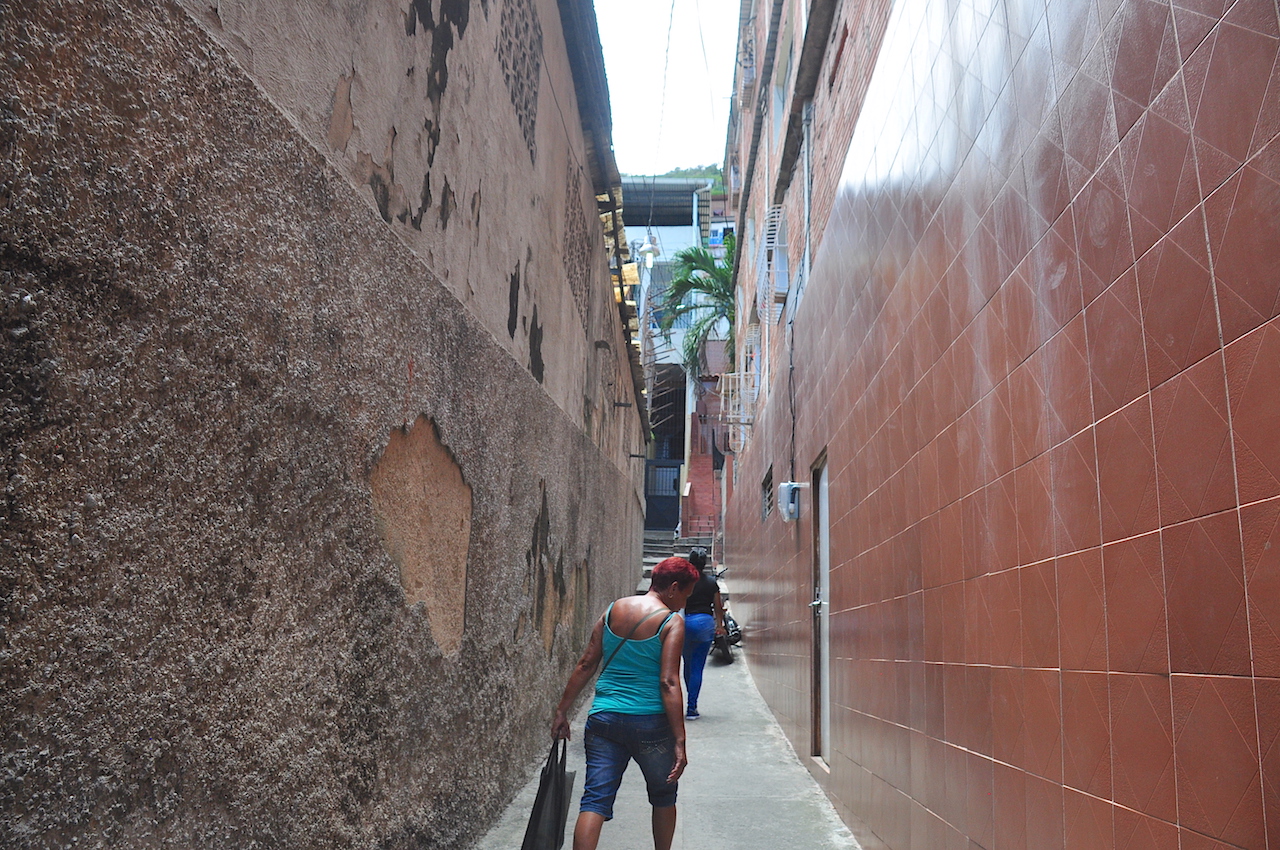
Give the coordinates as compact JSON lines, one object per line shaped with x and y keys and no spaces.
{"x":789,"y":501}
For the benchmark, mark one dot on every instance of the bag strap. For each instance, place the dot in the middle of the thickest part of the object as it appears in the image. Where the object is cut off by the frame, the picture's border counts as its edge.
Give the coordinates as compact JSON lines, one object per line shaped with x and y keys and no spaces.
{"x":558,"y":757}
{"x":623,"y":642}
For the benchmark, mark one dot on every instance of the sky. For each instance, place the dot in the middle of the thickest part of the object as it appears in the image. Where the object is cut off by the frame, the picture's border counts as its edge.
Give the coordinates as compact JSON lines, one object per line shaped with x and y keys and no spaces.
{"x":653,"y":134}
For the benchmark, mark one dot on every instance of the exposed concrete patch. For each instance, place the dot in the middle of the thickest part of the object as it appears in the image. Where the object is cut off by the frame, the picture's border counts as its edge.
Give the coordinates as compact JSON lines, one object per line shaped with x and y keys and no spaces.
{"x":424,"y":201}
{"x":423,"y":508}
{"x":341,"y":124}
{"x":513,"y":297}
{"x":560,"y":591}
{"x":448,"y":203}
{"x":387,"y":194}
{"x":536,"y":366}
{"x":432,"y":139}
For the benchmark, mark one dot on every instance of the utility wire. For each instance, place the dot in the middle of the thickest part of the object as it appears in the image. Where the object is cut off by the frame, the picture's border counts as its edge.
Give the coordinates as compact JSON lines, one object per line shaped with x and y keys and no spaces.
{"x":706,"y":63}
{"x":662,"y":110}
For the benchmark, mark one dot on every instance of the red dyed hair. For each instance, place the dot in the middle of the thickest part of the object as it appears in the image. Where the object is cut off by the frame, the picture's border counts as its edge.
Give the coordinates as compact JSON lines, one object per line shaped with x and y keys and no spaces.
{"x":673,"y":571}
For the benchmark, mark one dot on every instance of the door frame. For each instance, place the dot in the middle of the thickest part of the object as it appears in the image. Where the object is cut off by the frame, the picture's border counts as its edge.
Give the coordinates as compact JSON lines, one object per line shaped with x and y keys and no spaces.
{"x":821,"y":608}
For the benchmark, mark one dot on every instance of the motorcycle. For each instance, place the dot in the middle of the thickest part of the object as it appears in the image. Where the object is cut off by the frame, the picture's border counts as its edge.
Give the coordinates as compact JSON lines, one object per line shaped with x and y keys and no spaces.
{"x":722,"y":646}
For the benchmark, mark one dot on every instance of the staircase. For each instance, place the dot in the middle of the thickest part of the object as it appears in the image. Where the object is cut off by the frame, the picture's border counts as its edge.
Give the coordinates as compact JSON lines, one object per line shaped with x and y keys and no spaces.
{"x":663,"y":544}
{"x":657,"y":545}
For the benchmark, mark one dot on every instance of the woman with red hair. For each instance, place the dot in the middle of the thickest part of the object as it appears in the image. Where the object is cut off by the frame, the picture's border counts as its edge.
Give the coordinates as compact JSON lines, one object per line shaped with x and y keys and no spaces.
{"x":638,"y":710}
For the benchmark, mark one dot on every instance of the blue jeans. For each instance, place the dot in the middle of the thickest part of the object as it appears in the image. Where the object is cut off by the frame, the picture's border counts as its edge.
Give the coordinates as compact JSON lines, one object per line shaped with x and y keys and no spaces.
{"x":611,"y":741}
{"x":699,"y":632}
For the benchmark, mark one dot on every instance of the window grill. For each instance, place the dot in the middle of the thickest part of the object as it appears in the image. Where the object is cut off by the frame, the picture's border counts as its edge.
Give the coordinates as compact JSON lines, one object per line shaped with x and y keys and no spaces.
{"x":766,"y":495}
{"x":772,"y":278}
{"x":739,"y":391}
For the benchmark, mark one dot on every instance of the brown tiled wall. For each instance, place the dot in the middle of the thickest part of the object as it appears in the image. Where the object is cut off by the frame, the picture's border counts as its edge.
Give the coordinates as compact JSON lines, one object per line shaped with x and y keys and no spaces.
{"x":1041,"y":352}
{"x":838,"y":98}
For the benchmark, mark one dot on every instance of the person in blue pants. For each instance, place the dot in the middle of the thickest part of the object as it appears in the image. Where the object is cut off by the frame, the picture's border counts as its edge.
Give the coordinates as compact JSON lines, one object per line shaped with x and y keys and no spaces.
{"x":703,"y":620}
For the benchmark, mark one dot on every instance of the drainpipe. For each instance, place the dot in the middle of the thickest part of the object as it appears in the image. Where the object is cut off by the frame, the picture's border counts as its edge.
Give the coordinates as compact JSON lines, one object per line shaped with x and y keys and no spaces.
{"x":794,"y":298}
{"x":808,"y":187}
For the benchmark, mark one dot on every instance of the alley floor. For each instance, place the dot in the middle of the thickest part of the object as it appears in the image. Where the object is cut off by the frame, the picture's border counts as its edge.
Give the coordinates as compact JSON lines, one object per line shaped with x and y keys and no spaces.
{"x":744,"y":789}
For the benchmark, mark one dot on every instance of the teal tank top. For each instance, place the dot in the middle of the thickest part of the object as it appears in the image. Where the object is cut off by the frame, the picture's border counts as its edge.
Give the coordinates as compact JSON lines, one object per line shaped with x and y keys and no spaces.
{"x":629,"y":685}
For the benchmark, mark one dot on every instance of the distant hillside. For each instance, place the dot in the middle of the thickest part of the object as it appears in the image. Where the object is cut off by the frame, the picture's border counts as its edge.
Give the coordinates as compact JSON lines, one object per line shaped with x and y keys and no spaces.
{"x":709,"y":171}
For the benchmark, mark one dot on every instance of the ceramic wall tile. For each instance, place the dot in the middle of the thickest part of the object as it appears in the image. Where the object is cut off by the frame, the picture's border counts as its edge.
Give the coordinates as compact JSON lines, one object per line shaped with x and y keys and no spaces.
{"x":1044,"y":371}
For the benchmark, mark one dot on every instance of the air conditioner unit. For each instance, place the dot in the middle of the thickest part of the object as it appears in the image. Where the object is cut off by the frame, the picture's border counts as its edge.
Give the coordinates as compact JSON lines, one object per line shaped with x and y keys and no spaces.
{"x":789,"y":501}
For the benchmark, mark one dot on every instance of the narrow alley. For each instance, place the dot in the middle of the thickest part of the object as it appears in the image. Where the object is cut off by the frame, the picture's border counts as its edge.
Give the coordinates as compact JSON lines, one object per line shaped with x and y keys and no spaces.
{"x":744,"y":787}
{"x":352,"y":359}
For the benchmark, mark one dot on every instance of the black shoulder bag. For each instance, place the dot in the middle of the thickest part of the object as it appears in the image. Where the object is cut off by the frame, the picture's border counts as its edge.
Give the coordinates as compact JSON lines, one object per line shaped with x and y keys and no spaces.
{"x":551,"y":807}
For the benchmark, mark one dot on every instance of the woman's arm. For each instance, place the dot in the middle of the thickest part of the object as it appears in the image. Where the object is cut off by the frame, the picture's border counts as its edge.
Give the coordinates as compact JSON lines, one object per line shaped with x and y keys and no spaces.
{"x":719,"y":609}
{"x":672,"y":694}
{"x":582,"y":673}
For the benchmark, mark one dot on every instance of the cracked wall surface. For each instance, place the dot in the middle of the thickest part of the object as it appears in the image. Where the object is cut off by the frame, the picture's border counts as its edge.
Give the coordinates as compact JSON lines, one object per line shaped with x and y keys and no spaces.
{"x":413,"y":101}
{"x":214,"y":349}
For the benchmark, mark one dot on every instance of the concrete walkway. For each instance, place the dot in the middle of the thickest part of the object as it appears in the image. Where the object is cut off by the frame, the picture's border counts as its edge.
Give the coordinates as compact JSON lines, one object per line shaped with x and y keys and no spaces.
{"x":744,"y":788}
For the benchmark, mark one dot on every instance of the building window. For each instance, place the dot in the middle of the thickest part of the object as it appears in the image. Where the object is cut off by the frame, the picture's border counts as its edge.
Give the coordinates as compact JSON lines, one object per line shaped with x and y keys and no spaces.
{"x":766,"y":495}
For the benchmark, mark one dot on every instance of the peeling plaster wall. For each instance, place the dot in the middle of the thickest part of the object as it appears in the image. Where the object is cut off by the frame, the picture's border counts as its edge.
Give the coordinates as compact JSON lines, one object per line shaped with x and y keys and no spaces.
{"x":423,"y":507}
{"x":208,"y":337}
{"x":414,"y":102}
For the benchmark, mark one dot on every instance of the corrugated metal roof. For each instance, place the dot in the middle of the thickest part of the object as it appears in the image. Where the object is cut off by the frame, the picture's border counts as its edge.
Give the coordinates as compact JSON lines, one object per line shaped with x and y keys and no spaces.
{"x":659,"y":201}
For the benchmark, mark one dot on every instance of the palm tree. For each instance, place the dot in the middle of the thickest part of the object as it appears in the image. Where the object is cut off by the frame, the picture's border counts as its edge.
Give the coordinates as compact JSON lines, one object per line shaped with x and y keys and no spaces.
{"x":701,"y":287}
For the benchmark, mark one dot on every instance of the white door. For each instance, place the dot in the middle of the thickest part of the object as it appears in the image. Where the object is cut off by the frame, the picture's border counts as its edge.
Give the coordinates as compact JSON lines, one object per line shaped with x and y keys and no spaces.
{"x":821,"y":618}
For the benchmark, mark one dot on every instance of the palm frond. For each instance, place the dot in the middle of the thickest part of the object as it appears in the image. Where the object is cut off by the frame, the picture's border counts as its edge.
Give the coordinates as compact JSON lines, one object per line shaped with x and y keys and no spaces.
{"x":701,"y":287}
{"x":695,"y":343}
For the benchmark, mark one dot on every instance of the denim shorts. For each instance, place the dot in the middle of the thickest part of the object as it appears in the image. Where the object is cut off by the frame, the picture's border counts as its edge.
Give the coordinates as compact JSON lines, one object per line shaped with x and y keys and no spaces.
{"x":611,"y":741}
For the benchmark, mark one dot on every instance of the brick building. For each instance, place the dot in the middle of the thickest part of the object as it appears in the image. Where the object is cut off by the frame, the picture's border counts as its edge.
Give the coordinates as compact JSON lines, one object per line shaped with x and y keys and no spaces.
{"x":684,"y":487}
{"x":1015,"y":336}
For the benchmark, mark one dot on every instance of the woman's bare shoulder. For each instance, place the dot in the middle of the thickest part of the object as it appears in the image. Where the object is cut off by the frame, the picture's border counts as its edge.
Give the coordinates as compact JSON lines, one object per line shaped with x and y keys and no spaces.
{"x":628,"y":611}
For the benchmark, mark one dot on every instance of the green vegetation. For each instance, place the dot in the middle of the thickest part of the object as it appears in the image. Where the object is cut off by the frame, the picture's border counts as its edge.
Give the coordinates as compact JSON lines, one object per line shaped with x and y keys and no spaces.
{"x":711,"y":172}
{"x":701,"y":287}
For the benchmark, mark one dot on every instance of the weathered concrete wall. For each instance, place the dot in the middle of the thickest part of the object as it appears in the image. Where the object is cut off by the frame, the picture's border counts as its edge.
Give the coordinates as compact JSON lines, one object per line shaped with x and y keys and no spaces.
{"x":208,"y":341}
{"x":416,"y":102}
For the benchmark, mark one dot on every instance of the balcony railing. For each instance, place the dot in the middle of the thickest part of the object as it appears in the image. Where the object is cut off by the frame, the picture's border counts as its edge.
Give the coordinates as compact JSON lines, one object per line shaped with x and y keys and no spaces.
{"x":738,"y":391}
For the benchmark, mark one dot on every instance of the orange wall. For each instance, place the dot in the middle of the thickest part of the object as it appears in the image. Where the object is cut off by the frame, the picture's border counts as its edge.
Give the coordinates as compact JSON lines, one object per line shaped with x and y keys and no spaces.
{"x":1040,"y":349}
